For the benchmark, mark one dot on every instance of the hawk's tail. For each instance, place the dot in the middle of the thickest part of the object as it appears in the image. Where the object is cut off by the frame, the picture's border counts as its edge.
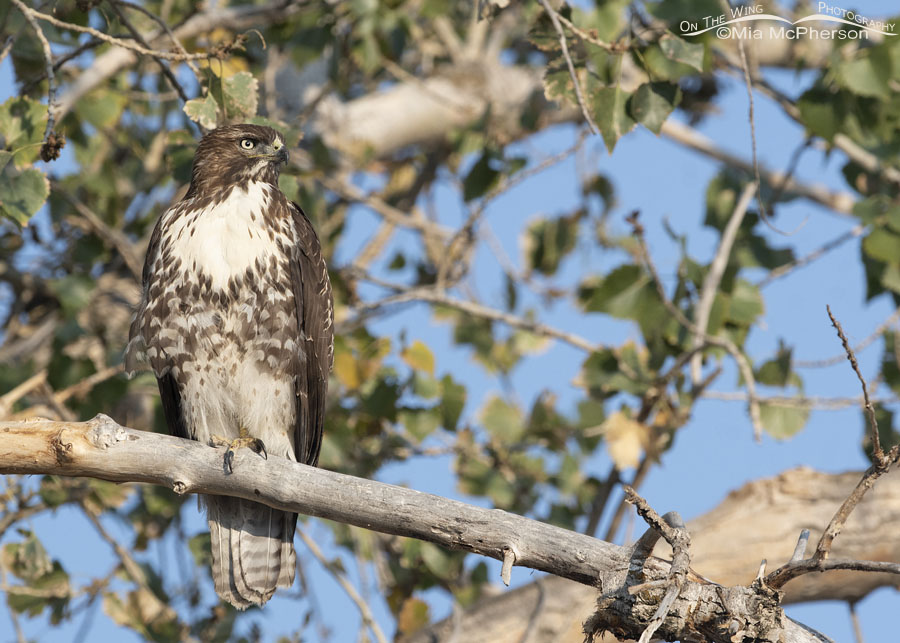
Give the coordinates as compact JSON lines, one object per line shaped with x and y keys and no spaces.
{"x":252,"y":549}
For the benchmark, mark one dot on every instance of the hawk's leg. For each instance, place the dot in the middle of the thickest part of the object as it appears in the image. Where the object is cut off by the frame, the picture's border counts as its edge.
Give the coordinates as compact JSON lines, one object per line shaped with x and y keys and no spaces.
{"x":245,"y":440}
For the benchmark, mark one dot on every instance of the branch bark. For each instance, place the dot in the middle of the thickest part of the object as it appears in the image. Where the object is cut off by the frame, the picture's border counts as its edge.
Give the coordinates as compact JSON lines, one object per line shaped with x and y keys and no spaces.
{"x":103,"y":449}
{"x":760,"y":520}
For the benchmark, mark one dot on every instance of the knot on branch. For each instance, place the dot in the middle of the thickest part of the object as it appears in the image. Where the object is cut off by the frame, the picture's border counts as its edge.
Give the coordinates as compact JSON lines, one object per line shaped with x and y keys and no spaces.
{"x":105,"y":432}
{"x":702,"y":612}
{"x":62,"y":448}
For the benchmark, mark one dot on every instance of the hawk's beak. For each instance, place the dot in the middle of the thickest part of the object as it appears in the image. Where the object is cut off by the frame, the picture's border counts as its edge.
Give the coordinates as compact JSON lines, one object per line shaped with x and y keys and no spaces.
{"x":278,"y":151}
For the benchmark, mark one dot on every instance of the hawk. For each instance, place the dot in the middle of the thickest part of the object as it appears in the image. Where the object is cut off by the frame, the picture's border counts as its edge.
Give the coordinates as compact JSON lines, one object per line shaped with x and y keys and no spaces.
{"x":236,"y":321}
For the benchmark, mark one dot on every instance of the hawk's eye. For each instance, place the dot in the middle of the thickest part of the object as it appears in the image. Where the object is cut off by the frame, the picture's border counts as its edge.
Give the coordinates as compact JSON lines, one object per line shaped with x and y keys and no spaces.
{"x":248,"y":143}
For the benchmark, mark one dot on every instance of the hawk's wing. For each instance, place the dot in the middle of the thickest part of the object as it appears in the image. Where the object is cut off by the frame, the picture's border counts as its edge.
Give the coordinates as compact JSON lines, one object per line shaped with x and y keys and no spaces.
{"x":315,"y":316}
{"x":168,"y":388}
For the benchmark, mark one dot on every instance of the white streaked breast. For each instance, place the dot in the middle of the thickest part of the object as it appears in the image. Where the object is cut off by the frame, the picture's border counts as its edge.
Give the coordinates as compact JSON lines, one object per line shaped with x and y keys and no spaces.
{"x":227,"y":238}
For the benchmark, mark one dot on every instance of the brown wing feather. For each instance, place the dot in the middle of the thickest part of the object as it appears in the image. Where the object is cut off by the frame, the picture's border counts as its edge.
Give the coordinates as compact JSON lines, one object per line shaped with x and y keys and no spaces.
{"x":168,"y":387}
{"x":315,"y":312}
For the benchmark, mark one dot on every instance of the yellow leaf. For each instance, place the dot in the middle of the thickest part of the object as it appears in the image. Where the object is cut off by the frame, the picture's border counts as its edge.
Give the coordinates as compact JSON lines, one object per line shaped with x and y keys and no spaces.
{"x":225,"y":68}
{"x":625,"y":439}
{"x":413,"y":616}
{"x":345,"y":369}
{"x":419,"y":357}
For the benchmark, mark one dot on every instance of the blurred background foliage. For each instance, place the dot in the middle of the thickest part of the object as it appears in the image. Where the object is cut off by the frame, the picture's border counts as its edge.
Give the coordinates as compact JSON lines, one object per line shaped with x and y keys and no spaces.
{"x":331,"y":76}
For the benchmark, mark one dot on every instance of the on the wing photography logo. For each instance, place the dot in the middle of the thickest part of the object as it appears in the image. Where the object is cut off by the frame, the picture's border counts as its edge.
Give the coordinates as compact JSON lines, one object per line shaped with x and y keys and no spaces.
{"x":742,"y":24}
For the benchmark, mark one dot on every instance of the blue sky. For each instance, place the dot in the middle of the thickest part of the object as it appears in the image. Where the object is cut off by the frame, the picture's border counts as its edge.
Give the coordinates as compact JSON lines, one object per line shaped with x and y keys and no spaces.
{"x":715,"y":452}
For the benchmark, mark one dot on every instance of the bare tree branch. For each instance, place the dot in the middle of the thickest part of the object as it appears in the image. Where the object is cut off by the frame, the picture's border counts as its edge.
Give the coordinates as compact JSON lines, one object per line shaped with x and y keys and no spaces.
{"x":103,"y":449}
{"x":112,"y":62}
{"x":346,"y":585}
{"x":579,"y":95}
{"x":714,"y":276}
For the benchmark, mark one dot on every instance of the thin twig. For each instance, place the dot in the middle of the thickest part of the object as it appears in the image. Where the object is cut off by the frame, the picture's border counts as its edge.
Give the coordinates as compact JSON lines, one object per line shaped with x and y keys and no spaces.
{"x":87,"y":384}
{"x":13,"y":616}
{"x":341,"y":578}
{"x":800,"y":548}
{"x":587,"y":37}
{"x":881,"y":463}
{"x":165,"y":27}
{"x":554,"y":18}
{"x":840,"y":202}
{"x":740,"y":359}
{"x":636,"y":481}
{"x":854,"y":620}
{"x":798,"y":402}
{"x":790,"y":571}
{"x":673,"y":530}
{"x":7,"y":47}
{"x":878,"y":454}
{"x":114,"y":238}
{"x":745,"y":66}
{"x":170,"y":76}
{"x":124,"y":44}
{"x":28,"y":14}
{"x":598,"y":504}
{"x":837,"y":359}
{"x":405,"y":295}
{"x":20,"y":391}
{"x":714,"y":276}
{"x":532,"y":632}
{"x":465,"y":235}
{"x":870,"y":162}
{"x":801,"y":262}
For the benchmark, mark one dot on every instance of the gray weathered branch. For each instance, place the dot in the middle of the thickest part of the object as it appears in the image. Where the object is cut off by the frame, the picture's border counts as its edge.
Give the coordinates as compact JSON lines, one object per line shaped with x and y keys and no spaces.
{"x":760,"y":520}
{"x":103,"y":449}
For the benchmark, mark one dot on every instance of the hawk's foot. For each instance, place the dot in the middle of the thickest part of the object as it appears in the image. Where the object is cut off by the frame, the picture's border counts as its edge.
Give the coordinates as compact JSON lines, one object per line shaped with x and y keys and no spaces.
{"x":244,"y":441}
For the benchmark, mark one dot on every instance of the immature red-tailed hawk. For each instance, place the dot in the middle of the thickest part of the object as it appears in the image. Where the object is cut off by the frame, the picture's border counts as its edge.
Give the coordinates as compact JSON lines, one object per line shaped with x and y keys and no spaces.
{"x":236,"y":321}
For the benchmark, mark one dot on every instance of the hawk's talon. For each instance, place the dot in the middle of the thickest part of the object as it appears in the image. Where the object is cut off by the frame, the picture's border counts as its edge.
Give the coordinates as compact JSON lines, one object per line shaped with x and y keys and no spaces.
{"x":229,"y":461}
{"x":254,"y":444}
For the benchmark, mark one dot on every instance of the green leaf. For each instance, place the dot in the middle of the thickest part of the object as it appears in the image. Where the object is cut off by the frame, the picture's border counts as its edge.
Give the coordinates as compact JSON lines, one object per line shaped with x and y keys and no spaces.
{"x":200,"y":548}
{"x":608,"y":106}
{"x":420,"y":423}
{"x":883,"y":245}
{"x":547,"y":241}
{"x":558,"y":85}
{"x":425,"y":386}
{"x":602,"y":375}
{"x":777,"y":371}
{"x":22,"y":193}
{"x":74,"y":292}
{"x":453,"y":399}
{"x":659,"y":67}
{"x":27,"y":560}
{"x":204,"y":111}
{"x":101,"y":108}
{"x":502,"y":421}
{"x":821,"y":110}
{"x":48,"y":590}
{"x":438,"y":561}
{"x":482,"y":177}
{"x":652,"y":103}
{"x":22,"y":125}
{"x":782,"y":422}
{"x":626,"y":292}
{"x":867,"y":75}
{"x":746,"y":303}
{"x":682,"y":51}
{"x":241,"y":95}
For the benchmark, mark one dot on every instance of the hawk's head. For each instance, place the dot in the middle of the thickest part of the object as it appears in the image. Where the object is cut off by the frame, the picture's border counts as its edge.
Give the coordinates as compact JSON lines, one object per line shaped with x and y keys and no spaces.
{"x":236,"y":154}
